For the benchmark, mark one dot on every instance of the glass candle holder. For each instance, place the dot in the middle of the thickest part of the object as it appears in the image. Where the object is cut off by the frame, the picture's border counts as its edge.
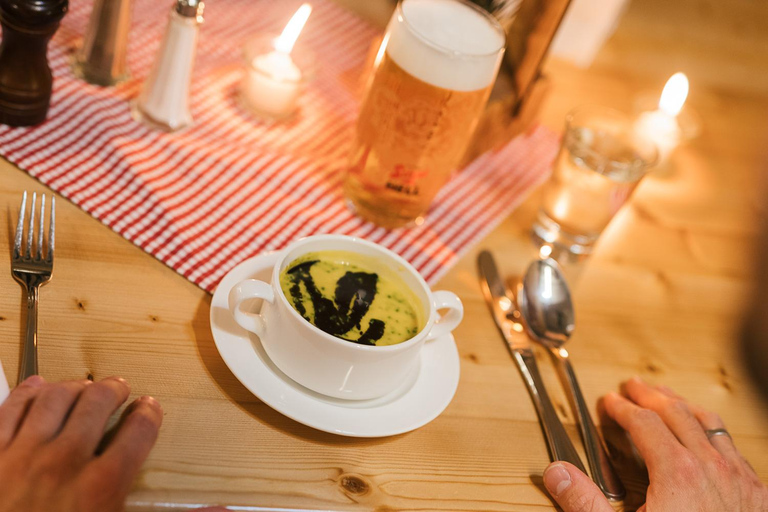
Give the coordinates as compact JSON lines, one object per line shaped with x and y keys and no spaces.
{"x":274,"y":80}
{"x":688,"y":120}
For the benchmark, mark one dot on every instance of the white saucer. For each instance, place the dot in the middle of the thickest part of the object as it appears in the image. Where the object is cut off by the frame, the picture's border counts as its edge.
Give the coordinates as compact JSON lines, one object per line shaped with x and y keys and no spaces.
{"x":420,"y":400}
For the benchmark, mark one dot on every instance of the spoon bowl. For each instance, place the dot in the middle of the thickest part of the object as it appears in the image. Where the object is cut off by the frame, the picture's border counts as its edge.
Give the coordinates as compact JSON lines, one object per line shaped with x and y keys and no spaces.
{"x":546,"y":305}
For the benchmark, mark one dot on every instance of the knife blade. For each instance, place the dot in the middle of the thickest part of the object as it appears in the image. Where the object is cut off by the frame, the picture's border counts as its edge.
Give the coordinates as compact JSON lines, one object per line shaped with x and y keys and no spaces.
{"x":501,"y":302}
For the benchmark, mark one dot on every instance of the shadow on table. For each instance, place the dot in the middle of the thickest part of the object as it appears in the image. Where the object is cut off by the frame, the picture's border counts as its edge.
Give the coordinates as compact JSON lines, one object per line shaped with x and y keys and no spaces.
{"x":626,"y":460}
{"x":239,"y":394}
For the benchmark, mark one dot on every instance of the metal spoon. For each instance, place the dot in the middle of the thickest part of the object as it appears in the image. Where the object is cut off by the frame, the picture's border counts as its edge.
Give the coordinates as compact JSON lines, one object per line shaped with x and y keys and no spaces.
{"x":545,"y":303}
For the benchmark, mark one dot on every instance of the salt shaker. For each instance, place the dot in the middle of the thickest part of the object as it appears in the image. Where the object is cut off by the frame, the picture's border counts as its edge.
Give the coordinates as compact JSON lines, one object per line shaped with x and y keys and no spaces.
{"x":26,"y":81}
{"x":164,"y":99}
{"x":101,"y":58}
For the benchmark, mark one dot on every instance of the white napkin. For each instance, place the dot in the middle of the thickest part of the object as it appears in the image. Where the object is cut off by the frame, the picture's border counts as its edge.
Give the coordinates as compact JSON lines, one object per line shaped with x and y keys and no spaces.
{"x":4,"y":390}
{"x":586,"y":26}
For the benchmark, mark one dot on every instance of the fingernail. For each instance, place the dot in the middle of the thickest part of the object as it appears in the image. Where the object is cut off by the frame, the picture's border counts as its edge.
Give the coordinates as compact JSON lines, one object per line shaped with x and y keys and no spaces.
{"x":151,"y":402}
{"x":119,"y":379}
{"x":557,"y":479}
{"x":34,"y":381}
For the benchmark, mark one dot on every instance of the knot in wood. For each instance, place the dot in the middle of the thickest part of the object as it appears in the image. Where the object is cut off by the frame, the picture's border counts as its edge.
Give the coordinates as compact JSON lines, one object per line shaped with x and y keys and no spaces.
{"x":353,"y":484}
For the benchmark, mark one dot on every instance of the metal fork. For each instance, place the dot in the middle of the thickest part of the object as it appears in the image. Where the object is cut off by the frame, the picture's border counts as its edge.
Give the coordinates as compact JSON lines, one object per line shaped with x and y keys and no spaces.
{"x":30,"y":268}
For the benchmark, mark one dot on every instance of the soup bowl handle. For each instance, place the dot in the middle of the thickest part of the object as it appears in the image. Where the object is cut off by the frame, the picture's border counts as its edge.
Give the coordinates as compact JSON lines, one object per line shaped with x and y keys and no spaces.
{"x":246,"y":290}
{"x":451,"y":319}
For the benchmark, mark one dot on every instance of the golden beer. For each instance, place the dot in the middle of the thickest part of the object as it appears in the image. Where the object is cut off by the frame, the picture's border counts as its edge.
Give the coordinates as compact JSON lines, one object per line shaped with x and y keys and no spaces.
{"x":423,"y":102}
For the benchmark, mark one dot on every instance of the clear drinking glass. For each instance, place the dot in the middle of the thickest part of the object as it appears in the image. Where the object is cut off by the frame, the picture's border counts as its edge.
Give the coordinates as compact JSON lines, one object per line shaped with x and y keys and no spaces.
{"x":600,"y":163}
{"x":432,"y":77}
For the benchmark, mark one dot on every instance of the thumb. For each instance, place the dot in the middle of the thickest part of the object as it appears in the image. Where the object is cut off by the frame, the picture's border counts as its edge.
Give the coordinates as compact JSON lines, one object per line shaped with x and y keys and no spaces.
{"x":573,"y":490}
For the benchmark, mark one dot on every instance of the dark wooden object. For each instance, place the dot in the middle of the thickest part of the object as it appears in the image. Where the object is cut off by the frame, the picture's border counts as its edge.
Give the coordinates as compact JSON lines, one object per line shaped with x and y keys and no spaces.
{"x":520,"y":88}
{"x":26,"y":81}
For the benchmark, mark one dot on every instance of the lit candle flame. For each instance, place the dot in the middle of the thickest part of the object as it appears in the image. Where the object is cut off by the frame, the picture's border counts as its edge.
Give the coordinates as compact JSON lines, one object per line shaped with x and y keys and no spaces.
{"x":292,"y":30}
{"x":674,"y":94}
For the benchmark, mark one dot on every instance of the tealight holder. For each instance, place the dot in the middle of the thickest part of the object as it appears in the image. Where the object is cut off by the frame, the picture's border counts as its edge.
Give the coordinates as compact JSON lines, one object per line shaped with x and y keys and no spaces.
{"x":667,"y":123}
{"x":274,"y":80}
{"x":689,"y":119}
{"x":668,"y":132}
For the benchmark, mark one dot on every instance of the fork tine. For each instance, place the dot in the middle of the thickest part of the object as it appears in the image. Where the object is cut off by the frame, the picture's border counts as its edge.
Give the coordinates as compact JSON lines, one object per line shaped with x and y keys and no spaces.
{"x":31,"y":233}
{"x":20,"y":227}
{"x":41,"y":228}
{"x":52,"y":229}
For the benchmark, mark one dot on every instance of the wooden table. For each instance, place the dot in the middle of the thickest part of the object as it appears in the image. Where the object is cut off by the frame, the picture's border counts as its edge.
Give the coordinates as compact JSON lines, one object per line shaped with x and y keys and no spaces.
{"x":661,"y":298}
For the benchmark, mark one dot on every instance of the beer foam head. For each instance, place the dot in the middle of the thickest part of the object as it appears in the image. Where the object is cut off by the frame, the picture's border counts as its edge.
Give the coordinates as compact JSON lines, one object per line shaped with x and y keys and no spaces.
{"x":446,"y":43}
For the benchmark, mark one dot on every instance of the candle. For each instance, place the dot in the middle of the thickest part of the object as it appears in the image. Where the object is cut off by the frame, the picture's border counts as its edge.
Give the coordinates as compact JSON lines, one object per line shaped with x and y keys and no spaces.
{"x":662,"y":126}
{"x":273,"y":81}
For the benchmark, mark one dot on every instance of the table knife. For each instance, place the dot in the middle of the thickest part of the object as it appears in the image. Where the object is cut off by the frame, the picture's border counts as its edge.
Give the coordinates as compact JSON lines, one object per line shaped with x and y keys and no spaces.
{"x":508,"y":319}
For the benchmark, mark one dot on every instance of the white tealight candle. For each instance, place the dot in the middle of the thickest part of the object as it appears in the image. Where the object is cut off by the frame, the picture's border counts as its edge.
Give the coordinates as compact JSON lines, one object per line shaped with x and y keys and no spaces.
{"x":662,"y":129}
{"x":273,"y":82}
{"x":661,"y":126}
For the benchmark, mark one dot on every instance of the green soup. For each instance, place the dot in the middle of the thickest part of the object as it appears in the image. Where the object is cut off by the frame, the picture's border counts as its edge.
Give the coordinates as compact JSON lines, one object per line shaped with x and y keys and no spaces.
{"x":342,"y":294}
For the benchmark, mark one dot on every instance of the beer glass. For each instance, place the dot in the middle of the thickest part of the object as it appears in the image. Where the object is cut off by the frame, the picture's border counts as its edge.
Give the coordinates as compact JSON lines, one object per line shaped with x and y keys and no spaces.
{"x":431,"y":79}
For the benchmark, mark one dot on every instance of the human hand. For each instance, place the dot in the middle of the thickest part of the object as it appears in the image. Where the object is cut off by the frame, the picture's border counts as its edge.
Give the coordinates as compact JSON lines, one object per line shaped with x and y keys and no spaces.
{"x":687,"y":471}
{"x":49,"y":436}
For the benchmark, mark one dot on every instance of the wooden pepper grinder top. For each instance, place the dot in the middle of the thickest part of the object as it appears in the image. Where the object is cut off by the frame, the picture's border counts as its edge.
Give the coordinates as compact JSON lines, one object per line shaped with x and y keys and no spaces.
{"x":25,"y":78}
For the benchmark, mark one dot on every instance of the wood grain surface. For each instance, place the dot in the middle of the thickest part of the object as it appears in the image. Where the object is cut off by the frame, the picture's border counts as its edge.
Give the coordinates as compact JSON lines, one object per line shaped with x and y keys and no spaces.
{"x":661,"y":298}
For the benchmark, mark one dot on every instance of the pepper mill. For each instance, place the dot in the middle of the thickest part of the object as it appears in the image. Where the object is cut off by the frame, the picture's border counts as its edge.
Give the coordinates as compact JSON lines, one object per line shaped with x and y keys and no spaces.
{"x":164,"y":99}
{"x":101,"y":58}
{"x":26,"y":81}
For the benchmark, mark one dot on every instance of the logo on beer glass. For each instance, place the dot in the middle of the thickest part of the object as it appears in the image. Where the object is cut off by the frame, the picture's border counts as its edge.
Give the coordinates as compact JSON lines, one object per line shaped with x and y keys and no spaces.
{"x":405,"y":181}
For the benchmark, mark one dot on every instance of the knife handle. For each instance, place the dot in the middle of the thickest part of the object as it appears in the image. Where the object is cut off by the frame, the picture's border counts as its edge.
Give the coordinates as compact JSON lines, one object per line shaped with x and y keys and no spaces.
{"x":560,"y":445}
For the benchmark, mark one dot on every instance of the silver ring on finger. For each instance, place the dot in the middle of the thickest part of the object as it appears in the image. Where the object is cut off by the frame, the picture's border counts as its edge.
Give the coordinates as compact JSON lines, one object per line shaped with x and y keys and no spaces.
{"x":712,"y":432}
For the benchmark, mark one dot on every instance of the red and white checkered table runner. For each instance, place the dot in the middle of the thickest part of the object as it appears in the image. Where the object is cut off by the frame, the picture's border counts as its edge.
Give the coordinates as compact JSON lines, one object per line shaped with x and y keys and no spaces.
{"x":230,"y":187}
